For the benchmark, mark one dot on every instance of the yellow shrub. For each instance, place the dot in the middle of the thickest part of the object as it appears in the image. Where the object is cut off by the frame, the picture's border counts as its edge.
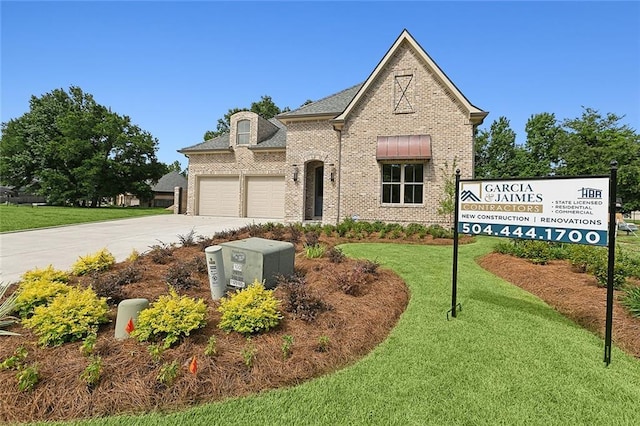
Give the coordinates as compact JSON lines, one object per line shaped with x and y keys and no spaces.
{"x":48,"y":274}
{"x":93,"y":262}
{"x":170,"y":317}
{"x":36,"y":293}
{"x":251,"y":310}
{"x":68,"y":317}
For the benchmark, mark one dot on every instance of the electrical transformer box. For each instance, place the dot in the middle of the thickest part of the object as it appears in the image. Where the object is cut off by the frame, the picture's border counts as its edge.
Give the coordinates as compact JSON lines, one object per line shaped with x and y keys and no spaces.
{"x":256,"y":258}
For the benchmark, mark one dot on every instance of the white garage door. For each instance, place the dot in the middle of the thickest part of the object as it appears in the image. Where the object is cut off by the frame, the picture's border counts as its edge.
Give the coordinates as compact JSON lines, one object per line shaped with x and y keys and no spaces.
{"x":265,"y":196}
{"x":218,"y":196}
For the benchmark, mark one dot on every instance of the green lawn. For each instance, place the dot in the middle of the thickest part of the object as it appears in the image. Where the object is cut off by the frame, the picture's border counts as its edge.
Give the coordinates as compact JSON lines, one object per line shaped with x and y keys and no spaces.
{"x":507,"y":359}
{"x":14,"y":218}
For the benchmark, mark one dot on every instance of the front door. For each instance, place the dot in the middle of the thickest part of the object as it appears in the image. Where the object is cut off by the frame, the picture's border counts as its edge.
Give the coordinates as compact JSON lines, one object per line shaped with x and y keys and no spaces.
{"x":318,"y":185}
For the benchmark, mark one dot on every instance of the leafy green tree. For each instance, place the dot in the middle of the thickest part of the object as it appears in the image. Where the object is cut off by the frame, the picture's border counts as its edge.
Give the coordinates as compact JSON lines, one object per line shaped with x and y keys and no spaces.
{"x":176,"y":167}
{"x":592,"y":142}
{"x":265,"y":107}
{"x":71,"y":149}
{"x":496,"y":153}
{"x":544,"y":134}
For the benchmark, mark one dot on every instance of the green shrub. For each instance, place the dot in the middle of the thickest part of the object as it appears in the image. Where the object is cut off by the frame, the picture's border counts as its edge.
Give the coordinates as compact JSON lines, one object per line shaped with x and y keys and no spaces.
{"x":32,"y":294}
{"x":28,"y":377}
{"x":249,"y":353}
{"x":99,"y":261}
{"x":413,"y":228}
{"x":168,"y":373}
{"x":170,"y":318}
{"x":15,"y":361}
{"x":211,"y":349}
{"x":582,"y":257}
{"x":46,"y":274}
{"x":600,"y":269}
{"x":437,"y":231}
{"x":92,"y":373}
{"x":251,"y":310}
{"x":68,"y":317}
{"x":315,"y":251}
{"x":631,"y":300}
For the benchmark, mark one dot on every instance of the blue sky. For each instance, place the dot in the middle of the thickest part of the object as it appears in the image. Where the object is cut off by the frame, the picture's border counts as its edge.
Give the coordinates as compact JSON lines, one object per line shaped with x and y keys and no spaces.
{"x":176,"y":67}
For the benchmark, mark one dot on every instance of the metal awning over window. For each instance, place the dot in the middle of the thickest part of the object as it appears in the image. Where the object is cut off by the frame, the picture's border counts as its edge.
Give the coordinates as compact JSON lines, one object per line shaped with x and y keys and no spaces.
{"x":413,"y":147}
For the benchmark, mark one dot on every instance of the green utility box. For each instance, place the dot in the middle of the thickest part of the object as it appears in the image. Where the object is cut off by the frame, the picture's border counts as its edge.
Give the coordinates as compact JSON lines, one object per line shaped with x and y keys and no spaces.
{"x":256,"y":258}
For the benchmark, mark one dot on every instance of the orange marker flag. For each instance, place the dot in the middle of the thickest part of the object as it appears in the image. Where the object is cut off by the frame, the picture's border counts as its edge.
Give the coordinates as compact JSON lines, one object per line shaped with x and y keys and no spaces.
{"x":129,"y":327}
{"x":193,"y":366}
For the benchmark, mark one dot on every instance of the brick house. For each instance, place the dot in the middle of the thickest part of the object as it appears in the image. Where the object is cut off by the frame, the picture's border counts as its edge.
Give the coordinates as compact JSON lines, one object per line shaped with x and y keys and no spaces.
{"x":374,"y":150}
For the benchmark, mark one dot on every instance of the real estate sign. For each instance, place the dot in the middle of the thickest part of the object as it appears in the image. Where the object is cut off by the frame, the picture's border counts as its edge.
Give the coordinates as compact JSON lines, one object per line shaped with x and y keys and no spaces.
{"x":570,"y":210}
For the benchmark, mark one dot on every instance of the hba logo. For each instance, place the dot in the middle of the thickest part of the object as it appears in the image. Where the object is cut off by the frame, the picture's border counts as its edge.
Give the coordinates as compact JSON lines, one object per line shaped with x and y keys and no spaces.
{"x":590,"y":194}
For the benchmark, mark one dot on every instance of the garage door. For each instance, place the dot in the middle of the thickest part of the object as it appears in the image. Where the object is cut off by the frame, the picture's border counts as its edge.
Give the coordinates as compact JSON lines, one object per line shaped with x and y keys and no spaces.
{"x":265,"y":196}
{"x":218,"y":196}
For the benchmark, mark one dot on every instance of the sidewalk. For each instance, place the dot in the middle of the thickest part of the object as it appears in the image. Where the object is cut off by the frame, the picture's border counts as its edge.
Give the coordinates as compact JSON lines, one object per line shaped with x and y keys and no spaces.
{"x":61,"y":246}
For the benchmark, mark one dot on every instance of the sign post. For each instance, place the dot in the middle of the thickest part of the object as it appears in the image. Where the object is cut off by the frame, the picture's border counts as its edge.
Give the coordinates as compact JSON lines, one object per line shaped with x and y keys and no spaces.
{"x":612,"y":261}
{"x":454,"y":287}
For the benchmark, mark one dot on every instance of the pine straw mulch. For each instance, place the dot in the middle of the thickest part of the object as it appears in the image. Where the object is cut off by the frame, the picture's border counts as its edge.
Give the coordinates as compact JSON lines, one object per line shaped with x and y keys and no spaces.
{"x":354,"y":326}
{"x":573,"y":294}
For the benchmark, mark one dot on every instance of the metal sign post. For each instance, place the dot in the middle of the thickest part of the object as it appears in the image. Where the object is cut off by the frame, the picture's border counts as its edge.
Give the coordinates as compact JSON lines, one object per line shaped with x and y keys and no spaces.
{"x":612,"y":260}
{"x":454,"y":285}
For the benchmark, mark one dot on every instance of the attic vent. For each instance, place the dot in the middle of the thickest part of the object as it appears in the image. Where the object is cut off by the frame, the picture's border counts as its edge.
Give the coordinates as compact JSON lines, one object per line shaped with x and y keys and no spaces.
{"x":403,"y":93}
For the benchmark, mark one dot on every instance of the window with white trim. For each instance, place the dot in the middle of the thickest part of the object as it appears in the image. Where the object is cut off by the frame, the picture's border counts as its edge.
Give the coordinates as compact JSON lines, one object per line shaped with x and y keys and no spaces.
{"x":242,"y":132}
{"x":402,"y":183}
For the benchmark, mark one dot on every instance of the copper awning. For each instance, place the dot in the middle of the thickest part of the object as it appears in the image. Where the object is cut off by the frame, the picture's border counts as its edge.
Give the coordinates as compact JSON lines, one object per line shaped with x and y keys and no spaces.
{"x":411,"y":147}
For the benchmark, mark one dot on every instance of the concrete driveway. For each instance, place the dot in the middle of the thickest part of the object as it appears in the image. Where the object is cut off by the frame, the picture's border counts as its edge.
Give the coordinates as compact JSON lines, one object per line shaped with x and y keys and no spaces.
{"x":61,"y":246}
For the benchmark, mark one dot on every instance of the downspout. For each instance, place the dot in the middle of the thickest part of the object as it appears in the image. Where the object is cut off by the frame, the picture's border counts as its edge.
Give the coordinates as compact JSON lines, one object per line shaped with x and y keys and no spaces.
{"x":339,"y":171}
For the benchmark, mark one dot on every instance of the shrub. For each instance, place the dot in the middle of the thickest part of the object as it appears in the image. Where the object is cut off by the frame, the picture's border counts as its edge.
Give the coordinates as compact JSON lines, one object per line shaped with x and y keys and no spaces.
{"x":256,"y":230}
{"x":249,"y":353}
{"x":335,"y":255}
{"x":251,"y":310}
{"x":631,"y":300}
{"x":37,"y":293}
{"x":189,"y":239}
{"x":352,"y":282}
{"x":323,"y":344}
{"x":300,"y":301}
{"x":287,"y":343}
{"x":315,"y":251}
{"x":311,"y":238}
{"x":582,"y":257}
{"x":99,"y":261}
{"x":438,"y":231}
{"x":413,"y":229}
{"x":168,"y":373}
{"x":277,"y":231}
{"x":133,"y":256}
{"x":47,"y":274}
{"x":179,"y":276}
{"x":161,"y":253}
{"x":92,"y":373}
{"x":170,"y":318}
{"x":15,"y":361}
{"x":367,"y":266}
{"x":107,"y":287}
{"x":6,"y":309}
{"x":294,"y":233}
{"x":211,"y":348}
{"x":328,"y":230}
{"x":28,"y":377}
{"x":199,"y":264}
{"x":600,"y":269}
{"x":68,"y":317}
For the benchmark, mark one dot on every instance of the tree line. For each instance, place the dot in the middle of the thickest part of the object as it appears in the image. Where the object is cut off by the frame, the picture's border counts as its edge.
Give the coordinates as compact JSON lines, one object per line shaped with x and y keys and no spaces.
{"x":73,"y":150}
{"x":582,"y":146}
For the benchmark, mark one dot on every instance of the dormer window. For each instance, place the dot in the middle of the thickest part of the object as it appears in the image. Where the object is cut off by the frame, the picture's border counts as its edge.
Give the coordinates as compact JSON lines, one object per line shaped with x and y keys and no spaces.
{"x":243,"y":132}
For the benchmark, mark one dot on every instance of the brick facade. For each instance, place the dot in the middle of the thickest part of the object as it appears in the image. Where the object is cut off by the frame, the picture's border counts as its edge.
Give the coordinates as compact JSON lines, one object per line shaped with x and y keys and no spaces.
{"x":407,"y":94}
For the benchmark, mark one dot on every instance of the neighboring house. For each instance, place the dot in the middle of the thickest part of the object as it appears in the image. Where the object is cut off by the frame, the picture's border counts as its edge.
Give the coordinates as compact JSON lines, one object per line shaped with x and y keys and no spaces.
{"x":163,"y":192}
{"x":373,"y":151}
{"x":12,"y":195}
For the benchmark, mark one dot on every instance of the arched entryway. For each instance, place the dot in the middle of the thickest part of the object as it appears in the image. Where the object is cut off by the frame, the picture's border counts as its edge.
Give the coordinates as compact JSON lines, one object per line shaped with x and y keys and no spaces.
{"x":314,"y":190}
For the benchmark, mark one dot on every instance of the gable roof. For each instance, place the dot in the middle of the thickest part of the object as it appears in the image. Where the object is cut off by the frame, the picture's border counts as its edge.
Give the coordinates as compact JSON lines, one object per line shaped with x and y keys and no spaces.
{"x":222,"y":143}
{"x":330,"y":105}
{"x":168,"y":182}
{"x":476,"y":115}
